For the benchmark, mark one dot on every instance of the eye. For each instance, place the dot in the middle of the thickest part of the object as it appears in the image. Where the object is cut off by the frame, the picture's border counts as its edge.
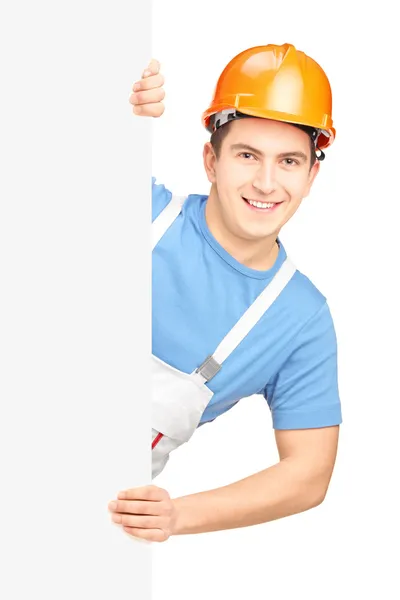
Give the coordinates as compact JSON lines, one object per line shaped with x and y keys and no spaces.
{"x":247,"y":155}
{"x":290,"y":162}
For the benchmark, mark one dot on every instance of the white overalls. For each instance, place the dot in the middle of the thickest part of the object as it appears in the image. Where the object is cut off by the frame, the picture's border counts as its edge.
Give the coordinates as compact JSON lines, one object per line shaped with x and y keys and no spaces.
{"x":179,"y":399}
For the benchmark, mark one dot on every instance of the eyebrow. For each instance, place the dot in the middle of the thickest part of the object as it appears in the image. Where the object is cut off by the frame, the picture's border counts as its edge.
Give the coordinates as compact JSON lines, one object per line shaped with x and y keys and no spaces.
{"x":295,"y":153}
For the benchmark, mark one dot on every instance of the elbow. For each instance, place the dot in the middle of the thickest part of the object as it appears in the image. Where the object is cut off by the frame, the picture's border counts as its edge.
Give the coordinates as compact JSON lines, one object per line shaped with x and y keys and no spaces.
{"x":317,"y":495}
{"x":317,"y":500}
{"x":317,"y":485}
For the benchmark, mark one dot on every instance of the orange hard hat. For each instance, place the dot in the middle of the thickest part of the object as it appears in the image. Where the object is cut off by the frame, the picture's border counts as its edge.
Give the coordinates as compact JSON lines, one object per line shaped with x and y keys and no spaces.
{"x":274,"y":82}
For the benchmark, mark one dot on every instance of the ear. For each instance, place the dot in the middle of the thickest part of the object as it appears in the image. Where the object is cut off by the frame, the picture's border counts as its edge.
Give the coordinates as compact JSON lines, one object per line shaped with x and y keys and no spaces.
{"x":209,"y":160}
{"x":311,"y":177}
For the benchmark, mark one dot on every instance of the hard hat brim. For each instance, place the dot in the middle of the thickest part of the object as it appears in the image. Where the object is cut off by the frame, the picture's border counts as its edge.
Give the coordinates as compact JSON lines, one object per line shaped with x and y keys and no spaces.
{"x":325,"y":138}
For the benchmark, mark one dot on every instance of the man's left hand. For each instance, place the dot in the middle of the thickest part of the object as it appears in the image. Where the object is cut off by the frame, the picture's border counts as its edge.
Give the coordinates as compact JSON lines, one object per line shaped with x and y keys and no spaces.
{"x":147,"y":513}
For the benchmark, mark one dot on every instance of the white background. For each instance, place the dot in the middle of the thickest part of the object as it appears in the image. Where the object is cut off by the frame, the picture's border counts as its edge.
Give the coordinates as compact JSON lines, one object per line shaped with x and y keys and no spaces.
{"x":74,"y":298}
{"x":345,"y":238}
{"x":74,"y":202}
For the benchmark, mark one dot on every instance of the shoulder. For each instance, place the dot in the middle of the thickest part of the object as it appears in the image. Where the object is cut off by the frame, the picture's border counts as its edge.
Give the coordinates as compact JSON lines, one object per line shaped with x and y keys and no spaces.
{"x":162,"y":196}
{"x":302,"y":297}
{"x":305,"y":310}
{"x":308,"y":297}
{"x":312,"y":317}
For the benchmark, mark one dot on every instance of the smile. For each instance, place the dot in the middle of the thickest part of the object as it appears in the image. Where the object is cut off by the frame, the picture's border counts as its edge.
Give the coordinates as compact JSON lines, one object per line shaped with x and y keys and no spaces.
{"x":257,"y":205}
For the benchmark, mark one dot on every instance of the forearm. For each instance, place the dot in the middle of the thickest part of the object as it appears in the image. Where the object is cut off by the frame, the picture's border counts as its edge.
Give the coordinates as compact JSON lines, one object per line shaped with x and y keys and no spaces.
{"x":282,"y":490}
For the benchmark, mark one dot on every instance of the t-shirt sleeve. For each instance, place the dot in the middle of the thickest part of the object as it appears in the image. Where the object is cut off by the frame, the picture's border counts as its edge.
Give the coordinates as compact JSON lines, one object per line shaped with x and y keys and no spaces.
{"x":305,"y":394}
{"x":160,"y":198}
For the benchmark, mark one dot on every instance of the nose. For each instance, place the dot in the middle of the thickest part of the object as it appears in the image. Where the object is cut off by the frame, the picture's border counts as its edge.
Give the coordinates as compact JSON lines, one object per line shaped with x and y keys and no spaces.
{"x":265,"y":179}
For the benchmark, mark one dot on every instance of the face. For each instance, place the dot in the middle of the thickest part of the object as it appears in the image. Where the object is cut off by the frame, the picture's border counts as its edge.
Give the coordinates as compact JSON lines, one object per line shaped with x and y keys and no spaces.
{"x":260,"y":178}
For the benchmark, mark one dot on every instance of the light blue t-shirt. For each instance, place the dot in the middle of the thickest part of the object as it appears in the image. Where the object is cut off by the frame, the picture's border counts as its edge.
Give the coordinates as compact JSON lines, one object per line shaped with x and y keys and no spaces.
{"x":200,"y":292}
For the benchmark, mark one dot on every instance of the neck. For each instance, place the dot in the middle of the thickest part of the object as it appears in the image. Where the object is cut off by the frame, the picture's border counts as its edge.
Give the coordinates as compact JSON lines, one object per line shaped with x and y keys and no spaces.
{"x":259,"y":254}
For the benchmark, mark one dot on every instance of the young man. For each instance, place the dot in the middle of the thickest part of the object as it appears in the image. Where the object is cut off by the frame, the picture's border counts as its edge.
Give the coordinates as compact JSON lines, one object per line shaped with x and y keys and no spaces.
{"x":232,"y":316}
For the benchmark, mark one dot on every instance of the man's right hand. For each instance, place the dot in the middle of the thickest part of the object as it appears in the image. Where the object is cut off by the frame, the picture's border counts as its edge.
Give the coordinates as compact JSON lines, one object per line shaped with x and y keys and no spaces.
{"x":148,"y":93}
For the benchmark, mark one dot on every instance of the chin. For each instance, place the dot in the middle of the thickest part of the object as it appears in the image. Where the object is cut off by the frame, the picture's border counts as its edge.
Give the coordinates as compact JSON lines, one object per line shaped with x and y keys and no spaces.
{"x":253,"y":236}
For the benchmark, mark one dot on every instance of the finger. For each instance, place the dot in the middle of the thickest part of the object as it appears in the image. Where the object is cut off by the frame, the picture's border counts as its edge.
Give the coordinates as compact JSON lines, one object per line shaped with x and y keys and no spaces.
{"x":147,"y":492}
{"x":139,"y":521}
{"x":149,"y":110}
{"x":137,"y":507}
{"x":152,"y":69}
{"x":154,"y":81}
{"x":151,"y":535}
{"x":148,"y":97}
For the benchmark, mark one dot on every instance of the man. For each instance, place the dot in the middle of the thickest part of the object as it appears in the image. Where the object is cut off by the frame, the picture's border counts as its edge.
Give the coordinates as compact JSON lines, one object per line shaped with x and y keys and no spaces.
{"x":232,"y":316}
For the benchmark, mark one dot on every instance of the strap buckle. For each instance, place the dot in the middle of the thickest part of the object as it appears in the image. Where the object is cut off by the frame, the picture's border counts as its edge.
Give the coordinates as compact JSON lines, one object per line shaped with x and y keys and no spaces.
{"x":209,"y":368}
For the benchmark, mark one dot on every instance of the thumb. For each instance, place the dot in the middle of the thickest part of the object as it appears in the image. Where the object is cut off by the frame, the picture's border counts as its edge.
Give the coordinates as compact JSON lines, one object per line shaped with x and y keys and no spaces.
{"x":152,"y":69}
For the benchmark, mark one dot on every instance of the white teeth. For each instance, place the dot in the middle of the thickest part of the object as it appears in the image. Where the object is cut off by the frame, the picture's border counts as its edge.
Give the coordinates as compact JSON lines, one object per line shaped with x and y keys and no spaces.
{"x":261,"y":204}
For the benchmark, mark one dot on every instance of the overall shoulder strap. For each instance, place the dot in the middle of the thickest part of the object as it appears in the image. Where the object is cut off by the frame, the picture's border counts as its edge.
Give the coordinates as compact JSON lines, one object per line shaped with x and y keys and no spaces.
{"x":248,"y":320}
{"x":166,"y":218}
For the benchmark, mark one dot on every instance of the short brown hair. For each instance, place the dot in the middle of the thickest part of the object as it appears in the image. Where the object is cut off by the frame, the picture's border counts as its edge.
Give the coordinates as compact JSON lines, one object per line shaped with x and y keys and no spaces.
{"x":220,"y":134}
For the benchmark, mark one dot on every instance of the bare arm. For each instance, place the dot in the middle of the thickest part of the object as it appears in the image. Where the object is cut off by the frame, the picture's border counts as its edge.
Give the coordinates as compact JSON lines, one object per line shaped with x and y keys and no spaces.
{"x":297,"y":483}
